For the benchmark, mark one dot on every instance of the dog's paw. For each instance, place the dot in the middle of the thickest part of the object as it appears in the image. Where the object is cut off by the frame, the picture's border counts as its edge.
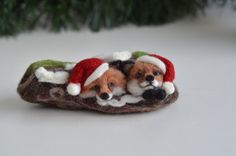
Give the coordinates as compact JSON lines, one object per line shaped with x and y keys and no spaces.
{"x":160,"y":94}
{"x":149,"y":94}
{"x":154,"y":94}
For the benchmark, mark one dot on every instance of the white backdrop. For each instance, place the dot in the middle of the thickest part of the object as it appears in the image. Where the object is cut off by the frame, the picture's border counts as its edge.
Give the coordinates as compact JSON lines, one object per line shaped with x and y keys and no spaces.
{"x":201,"y":122}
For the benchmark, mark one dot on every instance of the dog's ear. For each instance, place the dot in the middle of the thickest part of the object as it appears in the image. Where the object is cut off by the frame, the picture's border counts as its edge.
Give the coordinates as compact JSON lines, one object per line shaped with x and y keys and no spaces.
{"x":123,"y":66}
{"x":126,"y":65}
{"x":115,"y":64}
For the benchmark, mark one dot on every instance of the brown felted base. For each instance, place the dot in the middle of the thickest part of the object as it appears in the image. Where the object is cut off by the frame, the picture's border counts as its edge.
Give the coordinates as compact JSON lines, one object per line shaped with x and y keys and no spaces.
{"x":55,"y":95}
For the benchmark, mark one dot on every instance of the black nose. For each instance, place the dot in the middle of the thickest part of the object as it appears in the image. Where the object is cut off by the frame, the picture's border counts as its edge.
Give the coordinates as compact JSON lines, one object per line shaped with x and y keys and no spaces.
{"x":149,"y":78}
{"x":104,"y":96}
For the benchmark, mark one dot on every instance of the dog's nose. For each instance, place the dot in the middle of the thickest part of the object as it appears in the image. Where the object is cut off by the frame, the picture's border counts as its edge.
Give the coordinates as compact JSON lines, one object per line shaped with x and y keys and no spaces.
{"x":104,"y":96}
{"x":149,"y":78}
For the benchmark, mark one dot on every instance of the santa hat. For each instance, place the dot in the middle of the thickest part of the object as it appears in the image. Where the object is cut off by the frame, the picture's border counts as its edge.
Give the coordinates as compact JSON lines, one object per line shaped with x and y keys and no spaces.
{"x":167,"y":68}
{"x":84,"y":73}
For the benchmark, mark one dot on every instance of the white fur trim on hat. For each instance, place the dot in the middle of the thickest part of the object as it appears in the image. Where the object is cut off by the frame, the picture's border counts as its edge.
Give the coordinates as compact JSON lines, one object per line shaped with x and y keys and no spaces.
{"x":73,"y":89}
{"x":97,"y":73}
{"x":153,"y":60}
{"x":169,"y":87}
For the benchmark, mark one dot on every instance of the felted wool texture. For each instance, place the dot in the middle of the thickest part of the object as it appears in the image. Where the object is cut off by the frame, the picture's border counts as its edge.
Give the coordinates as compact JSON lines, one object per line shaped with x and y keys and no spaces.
{"x":165,"y":65}
{"x":170,"y":70}
{"x":58,"y":77}
{"x":53,"y":81}
{"x":55,"y":95}
{"x":153,"y":60}
{"x":85,"y":72}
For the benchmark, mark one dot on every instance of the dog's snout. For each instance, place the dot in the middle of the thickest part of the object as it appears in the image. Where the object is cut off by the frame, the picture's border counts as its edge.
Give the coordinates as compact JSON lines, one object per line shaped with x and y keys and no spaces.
{"x":149,"y":78}
{"x":104,"y":96}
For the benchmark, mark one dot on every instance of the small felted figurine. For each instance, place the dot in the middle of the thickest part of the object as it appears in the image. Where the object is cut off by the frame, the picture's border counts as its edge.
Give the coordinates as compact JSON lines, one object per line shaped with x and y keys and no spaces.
{"x":151,"y":72}
{"x":124,"y":82}
{"x":94,"y":78}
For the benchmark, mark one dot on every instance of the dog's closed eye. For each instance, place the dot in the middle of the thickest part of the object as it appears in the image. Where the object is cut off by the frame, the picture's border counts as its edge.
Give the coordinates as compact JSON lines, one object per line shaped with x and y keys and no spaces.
{"x":96,"y":88}
{"x":139,"y":74}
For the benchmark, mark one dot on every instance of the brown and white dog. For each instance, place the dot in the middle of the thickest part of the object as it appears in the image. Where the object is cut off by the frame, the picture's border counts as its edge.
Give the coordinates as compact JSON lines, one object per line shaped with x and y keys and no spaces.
{"x":151,"y":72}
{"x":111,"y":83}
{"x":94,"y":78}
{"x":143,"y":76}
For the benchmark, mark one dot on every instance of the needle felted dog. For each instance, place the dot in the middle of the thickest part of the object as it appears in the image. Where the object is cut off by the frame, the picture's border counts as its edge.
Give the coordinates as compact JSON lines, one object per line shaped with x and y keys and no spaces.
{"x":152,"y":77}
{"x":94,"y":78}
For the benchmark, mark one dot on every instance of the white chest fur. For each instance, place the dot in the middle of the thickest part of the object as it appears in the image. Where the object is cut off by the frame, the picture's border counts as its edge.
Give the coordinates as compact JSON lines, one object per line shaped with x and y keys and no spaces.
{"x":119,"y":103}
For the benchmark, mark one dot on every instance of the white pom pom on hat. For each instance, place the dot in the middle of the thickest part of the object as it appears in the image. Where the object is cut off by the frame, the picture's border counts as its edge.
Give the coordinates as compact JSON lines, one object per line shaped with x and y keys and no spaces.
{"x":169,"y":87}
{"x":115,"y":56}
{"x":73,"y":89}
{"x":122,"y":55}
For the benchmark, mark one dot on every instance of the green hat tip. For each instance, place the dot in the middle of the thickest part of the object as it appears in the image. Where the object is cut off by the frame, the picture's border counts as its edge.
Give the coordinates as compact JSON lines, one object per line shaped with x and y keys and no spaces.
{"x":138,"y":54}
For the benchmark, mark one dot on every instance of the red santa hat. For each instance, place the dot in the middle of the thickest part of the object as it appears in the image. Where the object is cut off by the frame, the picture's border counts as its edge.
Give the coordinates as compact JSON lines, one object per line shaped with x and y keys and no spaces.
{"x":84,"y":73}
{"x":167,"y":68}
